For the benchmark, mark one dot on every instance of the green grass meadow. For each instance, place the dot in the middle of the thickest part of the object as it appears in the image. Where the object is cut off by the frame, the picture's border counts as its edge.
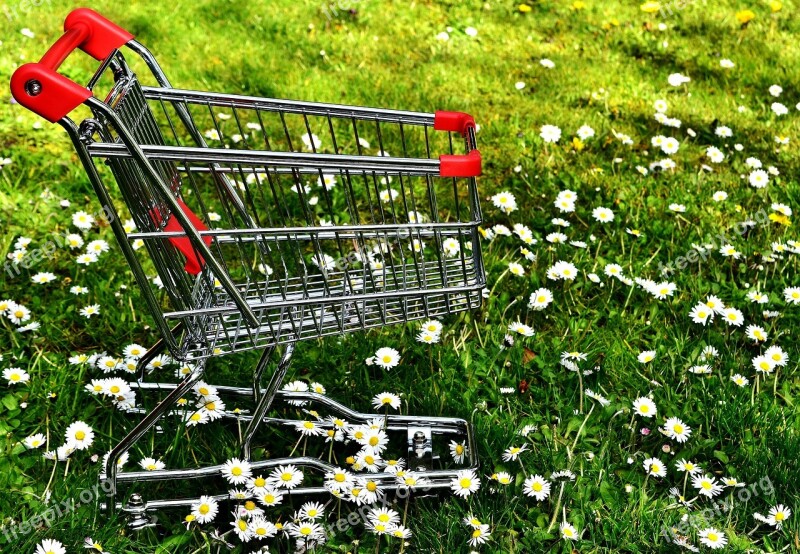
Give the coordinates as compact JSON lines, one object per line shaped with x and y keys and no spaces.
{"x":612,"y":60}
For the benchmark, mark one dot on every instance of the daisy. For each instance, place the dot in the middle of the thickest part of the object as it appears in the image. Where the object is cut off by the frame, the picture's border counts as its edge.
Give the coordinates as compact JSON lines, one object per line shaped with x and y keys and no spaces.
{"x":714,"y":154}
{"x":729,"y":251}
{"x":603,"y":215}
{"x":763,"y":364}
{"x":676,"y":429}
{"x":89,"y":311}
{"x":79,"y":435}
{"x":779,"y":109}
{"x":339,"y":480}
{"x":34,"y":441}
{"x":512,"y":453}
{"x":43,"y":278}
{"x":205,"y":509}
{"x":270,"y":497}
{"x":646,"y":356}
{"x":732,"y":316}
{"x":568,"y":532}
{"x":654,"y":467}
{"x":660,"y":106}
{"x":726,"y":63}
{"x":719,"y":196}
{"x":387,"y":357}
{"x":386,"y":516}
{"x":479,"y":535}
{"x":758,"y":179}
{"x":683,"y":465}
{"x":426,"y":337}
{"x":50,"y":546}
{"x":676,"y":79}
{"x":505,"y":201}
{"x":432,"y":326}
{"x":458,"y":451}
{"x":308,"y":428}
{"x":712,"y":538}
{"x":311,"y":141}
{"x":740,"y":380}
{"x":777,"y":355}
{"x":17,"y":313}
{"x":386,"y":399}
{"x":503,"y":478}
{"x":778,"y":515}
{"x":311,"y":510}
{"x":537,"y":487}
{"x":151,"y":464}
{"x":516,"y":269}
{"x":241,"y":528}
{"x":236,"y":472}
{"x":287,"y":476}
{"x":584,"y":132}
{"x":82,"y":220}
{"x":706,"y":485}
{"x":521,"y":328}
{"x":756,"y":333}
{"x":16,"y":376}
{"x":465,"y":483}
{"x":644,"y":407}
{"x":540,"y":299}
{"x":550,"y":133}
{"x":792,"y":295}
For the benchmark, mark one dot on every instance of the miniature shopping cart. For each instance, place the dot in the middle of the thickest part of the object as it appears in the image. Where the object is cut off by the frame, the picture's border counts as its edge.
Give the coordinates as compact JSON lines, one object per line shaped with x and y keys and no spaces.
{"x":268,"y":222}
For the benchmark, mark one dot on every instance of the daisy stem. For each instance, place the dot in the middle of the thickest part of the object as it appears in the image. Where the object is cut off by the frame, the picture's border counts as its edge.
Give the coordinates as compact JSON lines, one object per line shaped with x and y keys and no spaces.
{"x":378,"y":544}
{"x":643,"y":496}
{"x":558,"y":506}
{"x":580,"y":430}
{"x":580,"y":387}
{"x":52,"y":475}
{"x":685,"y":479}
{"x":775,"y":382}
{"x":296,"y":445}
{"x":633,"y":429}
{"x":66,"y":467}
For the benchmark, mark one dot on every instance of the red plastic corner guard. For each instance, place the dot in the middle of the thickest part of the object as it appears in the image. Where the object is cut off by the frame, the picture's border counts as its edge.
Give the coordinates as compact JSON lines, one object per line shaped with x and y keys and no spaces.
{"x":38,"y":86}
{"x":194,"y":262}
{"x":57,"y":95}
{"x":467,"y":165}
{"x":457,"y":122}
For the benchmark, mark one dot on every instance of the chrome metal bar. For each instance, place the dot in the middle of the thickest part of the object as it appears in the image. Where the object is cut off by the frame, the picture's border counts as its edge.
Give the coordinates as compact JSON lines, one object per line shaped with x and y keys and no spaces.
{"x":169,"y":198}
{"x":321,"y":232}
{"x":288,"y":106}
{"x":109,"y":473}
{"x":265,"y":401}
{"x":310,"y":301}
{"x":301,"y":162}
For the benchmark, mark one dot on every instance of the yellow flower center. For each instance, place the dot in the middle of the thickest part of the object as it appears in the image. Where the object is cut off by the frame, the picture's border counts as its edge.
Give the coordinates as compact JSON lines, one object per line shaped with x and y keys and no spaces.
{"x":537,"y":487}
{"x":371,"y":486}
{"x":204,"y":509}
{"x":249,"y":505}
{"x":339,"y":478}
{"x":465,"y":483}
{"x":373,"y":441}
{"x":80,"y":435}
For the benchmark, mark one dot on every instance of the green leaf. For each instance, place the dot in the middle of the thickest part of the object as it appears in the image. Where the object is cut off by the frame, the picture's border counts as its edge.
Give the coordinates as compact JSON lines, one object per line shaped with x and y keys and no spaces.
{"x":10,"y":402}
{"x":721,"y":456}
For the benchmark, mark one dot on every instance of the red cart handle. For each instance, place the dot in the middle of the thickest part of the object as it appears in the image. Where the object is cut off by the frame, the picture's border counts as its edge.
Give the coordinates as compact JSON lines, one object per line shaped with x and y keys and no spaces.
{"x":39,"y":88}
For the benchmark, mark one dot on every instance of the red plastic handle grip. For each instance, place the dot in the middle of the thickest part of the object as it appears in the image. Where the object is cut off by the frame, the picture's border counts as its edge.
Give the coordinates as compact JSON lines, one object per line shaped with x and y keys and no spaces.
{"x":466,"y":165}
{"x":39,"y":88}
{"x":457,"y":122}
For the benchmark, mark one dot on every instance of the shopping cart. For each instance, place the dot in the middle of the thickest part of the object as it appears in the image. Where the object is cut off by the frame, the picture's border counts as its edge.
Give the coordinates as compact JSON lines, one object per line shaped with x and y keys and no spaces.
{"x":268,"y":222}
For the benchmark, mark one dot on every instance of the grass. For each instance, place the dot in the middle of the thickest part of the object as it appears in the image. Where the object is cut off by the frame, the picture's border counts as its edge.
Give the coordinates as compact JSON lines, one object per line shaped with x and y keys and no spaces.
{"x":611,"y":64}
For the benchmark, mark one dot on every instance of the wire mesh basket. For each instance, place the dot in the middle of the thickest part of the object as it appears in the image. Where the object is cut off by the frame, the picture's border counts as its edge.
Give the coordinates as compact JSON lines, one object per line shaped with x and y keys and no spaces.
{"x":269,"y":221}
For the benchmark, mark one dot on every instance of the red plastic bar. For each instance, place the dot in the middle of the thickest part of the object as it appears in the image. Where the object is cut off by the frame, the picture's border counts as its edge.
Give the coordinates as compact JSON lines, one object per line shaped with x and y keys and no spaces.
{"x":457,"y":122}
{"x":194,"y":262}
{"x":39,"y":88}
{"x":467,"y":165}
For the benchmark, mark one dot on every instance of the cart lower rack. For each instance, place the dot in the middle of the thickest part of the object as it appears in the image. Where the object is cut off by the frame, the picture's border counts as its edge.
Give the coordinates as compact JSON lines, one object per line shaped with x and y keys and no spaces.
{"x":268,"y":222}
